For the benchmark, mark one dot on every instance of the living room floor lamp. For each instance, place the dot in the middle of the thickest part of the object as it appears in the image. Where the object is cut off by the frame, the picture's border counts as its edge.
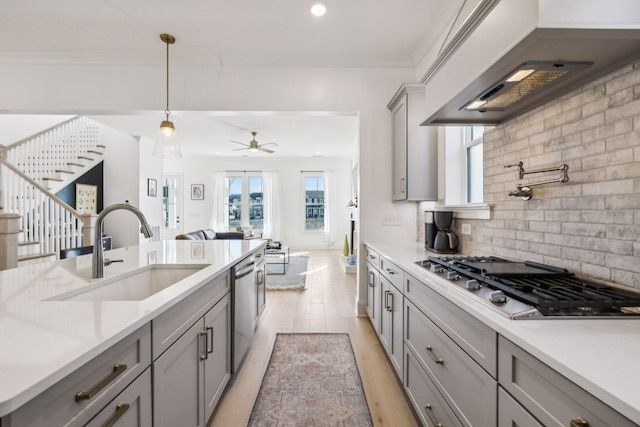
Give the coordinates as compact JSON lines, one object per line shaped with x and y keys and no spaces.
{"x":167,"y":139}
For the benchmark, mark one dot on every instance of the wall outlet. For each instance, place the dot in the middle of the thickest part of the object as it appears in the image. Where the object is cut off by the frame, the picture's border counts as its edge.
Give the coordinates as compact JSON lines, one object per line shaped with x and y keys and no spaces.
{"x":466,"y":229}
{"x":392,"y":220}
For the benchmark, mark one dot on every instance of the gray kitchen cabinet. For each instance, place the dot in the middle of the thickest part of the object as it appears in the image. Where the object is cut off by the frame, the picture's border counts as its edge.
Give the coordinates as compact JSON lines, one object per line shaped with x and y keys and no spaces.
{"x":76,"y":399}
{"x":415,"y":147}
{"x":373,"y":257}
{"x":373,"y":296}
{"x":511,"y":413}
{"x":431,"y":407}
{"x":550,"y":397}
{"x":478,"y":340}
{"x":391,"y":324}
{"x":470,"y":391}
{"x":190,"y":376}
{"x":131,"y":408}
{"x":261,"y":285}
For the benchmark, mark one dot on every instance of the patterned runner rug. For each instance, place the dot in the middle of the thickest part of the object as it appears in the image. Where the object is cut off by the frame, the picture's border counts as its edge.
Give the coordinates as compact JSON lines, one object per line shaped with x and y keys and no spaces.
{"x":312,"y":380}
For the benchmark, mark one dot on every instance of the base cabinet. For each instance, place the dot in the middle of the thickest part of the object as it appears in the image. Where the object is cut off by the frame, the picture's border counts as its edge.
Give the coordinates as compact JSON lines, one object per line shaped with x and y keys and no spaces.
{"x":430,"y":405}
{"x":391,"y":323}
{"x":131,"y":408}
{"x":548,"y":396}
{"x":373,"y":296}
{"x":190,"y":376}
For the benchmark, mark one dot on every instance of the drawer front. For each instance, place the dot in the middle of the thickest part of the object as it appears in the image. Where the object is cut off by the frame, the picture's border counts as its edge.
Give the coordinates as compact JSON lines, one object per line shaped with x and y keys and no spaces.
{"x":511,"y":413}
{"x":391,"y":271}
{"x":131,"y":408}
{"x":373,"y":257}
{"x":549,"y":396}
{"x":477,"y":339}
{"x":424,"y":396}
{"x":171,"y":324}
{"x":470,"y":391}
{"x":58,"y":406}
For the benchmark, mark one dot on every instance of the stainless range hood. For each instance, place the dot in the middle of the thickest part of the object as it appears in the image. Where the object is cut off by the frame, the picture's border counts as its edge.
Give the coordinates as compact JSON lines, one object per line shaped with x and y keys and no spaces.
{"x":523,"y":53}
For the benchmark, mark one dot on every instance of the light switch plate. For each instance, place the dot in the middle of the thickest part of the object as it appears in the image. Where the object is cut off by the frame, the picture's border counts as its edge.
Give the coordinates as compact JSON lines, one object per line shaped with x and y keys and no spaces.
{"x":392,"y":220}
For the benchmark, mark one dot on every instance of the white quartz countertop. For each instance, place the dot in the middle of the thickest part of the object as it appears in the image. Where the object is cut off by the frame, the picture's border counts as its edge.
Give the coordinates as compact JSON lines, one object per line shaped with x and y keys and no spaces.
{"x":600,"y":355}
{"x":42,"y":341}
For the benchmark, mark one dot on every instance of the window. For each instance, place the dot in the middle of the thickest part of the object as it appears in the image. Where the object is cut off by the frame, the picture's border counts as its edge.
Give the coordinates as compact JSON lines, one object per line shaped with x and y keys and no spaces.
{"x":245,"y":188}
{"x":314,"y":203}
{"x":473,"y":144}
{"x":462,"y":171}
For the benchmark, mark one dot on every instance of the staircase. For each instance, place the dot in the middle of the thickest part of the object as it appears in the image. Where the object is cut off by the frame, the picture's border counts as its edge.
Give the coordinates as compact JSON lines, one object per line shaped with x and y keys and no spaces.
{"x":33,"y":170}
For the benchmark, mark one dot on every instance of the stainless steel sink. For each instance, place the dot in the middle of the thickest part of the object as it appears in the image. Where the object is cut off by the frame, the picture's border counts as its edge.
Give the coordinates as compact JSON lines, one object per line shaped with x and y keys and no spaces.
{"x":135,"y":286}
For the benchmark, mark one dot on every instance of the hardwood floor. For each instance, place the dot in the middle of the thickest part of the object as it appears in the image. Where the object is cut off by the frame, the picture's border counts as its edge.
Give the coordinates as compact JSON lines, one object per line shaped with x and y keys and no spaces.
{"x":327,"y":305}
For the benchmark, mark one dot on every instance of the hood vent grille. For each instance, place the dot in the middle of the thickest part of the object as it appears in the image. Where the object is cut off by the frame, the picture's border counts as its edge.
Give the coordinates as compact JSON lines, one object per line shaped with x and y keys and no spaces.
{"x":522,"y":82}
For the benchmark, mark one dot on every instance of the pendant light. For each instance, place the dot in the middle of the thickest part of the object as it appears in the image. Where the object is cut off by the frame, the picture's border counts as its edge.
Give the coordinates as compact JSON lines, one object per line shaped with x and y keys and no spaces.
{"x":167,"y":139}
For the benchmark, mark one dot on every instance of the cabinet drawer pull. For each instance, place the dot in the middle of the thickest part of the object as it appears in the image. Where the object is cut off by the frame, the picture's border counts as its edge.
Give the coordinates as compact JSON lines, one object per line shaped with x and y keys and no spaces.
{"x":118,"y":368}
{"x":390,"y":271}
{"x":205,"y":356}
{"x":210,"y":345}
{"x":386,"y":300}
{"x":372,"y":257}
{"x":579,"y":422}
{"x":429,"y":411}
{"x":435,"y":358}
{"x":121,"y":408}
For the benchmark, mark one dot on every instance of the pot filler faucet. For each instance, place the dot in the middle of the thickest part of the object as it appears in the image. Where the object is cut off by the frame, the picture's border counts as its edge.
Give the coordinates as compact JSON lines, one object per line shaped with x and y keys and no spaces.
{"x":98,"y":251}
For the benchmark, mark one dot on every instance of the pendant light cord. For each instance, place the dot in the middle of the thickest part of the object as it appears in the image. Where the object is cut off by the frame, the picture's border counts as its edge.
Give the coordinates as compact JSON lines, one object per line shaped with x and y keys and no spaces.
{"x":166,"y":111}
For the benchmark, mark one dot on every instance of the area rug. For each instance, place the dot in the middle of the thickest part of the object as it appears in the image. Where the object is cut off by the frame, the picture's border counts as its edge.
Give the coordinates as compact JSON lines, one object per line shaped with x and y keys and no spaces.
{"x":312,"y":380}
{"x":295,"y":276}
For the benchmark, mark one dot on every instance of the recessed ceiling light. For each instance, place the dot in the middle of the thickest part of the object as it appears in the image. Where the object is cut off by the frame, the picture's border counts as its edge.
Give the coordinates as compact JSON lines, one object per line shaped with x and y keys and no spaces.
{"x":318,"y":9}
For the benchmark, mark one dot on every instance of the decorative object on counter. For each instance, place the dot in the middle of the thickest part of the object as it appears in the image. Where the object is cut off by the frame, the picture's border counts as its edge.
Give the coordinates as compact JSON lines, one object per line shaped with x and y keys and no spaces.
{"x":345,"y":248}
{"x":167,"y":140}
{"x":524,"y":190}
{"x":294,"y":278}
{"x":312,"y":379}
{"x":152,"y":187}
{"x":197,"y":191}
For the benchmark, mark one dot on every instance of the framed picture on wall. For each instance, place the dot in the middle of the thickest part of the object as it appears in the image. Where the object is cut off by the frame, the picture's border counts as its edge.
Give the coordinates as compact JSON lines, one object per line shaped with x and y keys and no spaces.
{"x":86,"y":198}
{"x":197,"y":191}
{"x":152,"y":187}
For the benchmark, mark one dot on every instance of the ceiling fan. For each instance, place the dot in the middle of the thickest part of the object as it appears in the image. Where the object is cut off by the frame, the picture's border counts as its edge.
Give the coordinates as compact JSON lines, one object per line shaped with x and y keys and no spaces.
{"x":255,"y":145}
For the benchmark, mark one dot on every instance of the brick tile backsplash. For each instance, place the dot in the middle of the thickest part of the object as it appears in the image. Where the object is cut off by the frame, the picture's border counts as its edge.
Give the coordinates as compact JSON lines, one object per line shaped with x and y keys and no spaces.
{"x":591,"y":224}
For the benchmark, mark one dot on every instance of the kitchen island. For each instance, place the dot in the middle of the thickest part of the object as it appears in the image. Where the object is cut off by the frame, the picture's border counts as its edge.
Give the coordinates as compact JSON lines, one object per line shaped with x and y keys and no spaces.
{"x":45,"y":338}
{"x":598,"y":356}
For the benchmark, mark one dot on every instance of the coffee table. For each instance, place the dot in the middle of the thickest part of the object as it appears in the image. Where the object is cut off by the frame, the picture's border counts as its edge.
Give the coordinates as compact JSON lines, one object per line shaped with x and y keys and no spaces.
{"x":283,"y":254}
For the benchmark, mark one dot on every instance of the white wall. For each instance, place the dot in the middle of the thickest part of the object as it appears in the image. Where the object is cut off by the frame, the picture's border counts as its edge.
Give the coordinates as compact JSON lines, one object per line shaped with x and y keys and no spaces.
{"x":196,"y":214}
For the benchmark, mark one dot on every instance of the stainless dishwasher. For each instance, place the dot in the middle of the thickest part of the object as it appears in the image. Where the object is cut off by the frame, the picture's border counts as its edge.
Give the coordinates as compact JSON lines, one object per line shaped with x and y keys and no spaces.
{"x":244,"y":296}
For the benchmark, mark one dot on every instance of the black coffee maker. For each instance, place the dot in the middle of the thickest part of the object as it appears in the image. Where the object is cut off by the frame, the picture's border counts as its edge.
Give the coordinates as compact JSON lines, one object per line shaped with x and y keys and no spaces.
{"x":444,"y":240}
{"x":430,"y":230}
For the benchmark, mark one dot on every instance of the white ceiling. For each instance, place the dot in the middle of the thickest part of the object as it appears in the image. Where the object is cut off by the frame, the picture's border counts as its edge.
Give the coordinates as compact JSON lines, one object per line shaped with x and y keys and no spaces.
{"x":227,"y":33}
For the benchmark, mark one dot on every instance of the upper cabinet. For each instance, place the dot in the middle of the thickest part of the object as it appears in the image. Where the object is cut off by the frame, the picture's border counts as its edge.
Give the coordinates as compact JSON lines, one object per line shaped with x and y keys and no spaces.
{"x":415,"y":147}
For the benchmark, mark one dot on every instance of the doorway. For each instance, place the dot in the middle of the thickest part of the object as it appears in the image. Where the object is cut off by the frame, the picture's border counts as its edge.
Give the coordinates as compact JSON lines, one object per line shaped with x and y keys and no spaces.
{"x":171,"y":206}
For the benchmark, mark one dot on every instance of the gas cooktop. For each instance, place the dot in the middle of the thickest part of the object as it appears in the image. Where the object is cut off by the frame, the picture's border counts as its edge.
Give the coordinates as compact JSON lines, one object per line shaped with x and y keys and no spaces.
{"x":529,"y":290}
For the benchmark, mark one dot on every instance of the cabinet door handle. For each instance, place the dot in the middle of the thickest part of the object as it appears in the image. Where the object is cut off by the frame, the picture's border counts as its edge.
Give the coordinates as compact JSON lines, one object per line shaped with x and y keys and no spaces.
{"x":579,"y":422}
{"x":372,"y":281}
{"x":205,"y":356}
{"x":209,"y":345}
{"x":402,"y":186}
{"x":118,"y":369}
{"x":121,"y":408}
{"x":389,"y":306}
{"x":429,"y":411}
{"x":260,"y":277}
{"x":435,"y":358}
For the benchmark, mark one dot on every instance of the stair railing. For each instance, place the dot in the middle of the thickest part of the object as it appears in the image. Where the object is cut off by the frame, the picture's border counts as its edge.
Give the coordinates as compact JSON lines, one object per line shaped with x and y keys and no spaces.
{"x":25,"y":167}
{"x":45,"y":218}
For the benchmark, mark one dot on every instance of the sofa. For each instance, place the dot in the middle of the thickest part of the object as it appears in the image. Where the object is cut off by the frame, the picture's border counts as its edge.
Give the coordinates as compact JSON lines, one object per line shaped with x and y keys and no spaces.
{"x":209,"y":234}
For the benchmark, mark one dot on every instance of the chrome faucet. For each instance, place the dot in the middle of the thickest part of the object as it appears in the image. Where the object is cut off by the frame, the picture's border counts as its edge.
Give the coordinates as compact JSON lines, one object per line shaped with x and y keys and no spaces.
{"x":98,"y":251}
